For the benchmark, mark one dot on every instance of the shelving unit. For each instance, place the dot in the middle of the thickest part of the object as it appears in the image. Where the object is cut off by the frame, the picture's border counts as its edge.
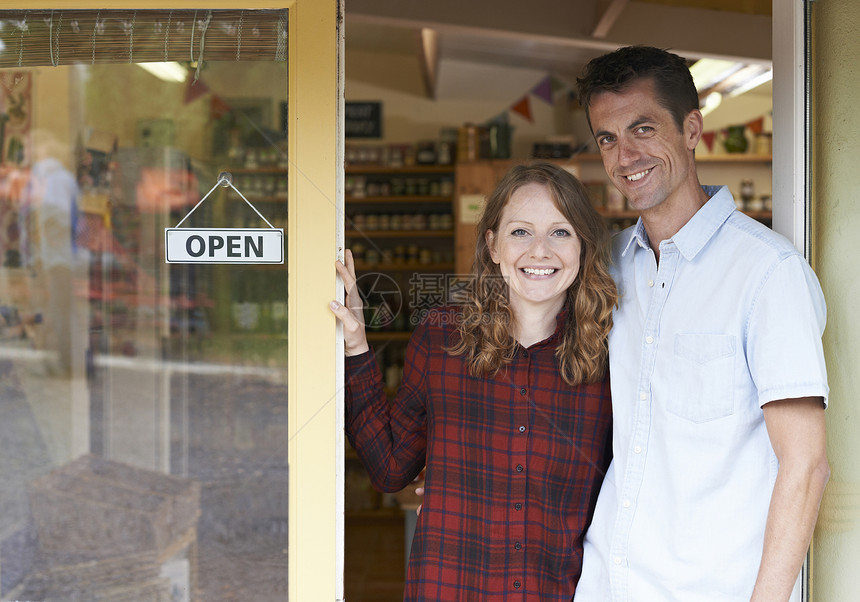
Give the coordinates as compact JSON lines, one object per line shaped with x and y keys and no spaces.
{"x":400,"y":226}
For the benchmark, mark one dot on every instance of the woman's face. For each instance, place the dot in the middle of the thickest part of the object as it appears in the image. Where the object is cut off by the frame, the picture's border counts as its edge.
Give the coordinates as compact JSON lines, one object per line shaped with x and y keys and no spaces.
{"x":537,"y":250}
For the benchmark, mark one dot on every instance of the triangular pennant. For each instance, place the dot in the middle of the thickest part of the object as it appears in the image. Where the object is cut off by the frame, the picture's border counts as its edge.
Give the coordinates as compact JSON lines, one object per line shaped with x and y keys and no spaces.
{"x":708,"y":137}
{"x":218,"y":108}
{"x":544,"y":90}
{"x":524,"y":108}
{"x":756,"y":126}
{"x":195,"y":90}
{"x":557,"y":84}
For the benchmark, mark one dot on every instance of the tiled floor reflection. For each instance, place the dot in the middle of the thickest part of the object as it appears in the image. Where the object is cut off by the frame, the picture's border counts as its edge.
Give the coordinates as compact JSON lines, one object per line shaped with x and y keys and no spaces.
{"x":225,"y":432}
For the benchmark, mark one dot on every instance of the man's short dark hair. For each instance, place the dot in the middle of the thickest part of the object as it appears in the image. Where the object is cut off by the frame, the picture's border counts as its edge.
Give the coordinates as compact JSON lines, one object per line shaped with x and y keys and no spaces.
{"x":616,"y":71}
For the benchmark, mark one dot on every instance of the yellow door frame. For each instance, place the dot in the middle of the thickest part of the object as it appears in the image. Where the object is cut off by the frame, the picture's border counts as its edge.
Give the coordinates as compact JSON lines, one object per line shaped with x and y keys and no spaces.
{"x":315,"y":98}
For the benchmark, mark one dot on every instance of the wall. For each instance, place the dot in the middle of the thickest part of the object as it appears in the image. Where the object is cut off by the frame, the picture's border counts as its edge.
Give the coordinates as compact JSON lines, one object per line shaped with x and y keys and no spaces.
{"x":466,"y":92}
{"x":836,"y":70}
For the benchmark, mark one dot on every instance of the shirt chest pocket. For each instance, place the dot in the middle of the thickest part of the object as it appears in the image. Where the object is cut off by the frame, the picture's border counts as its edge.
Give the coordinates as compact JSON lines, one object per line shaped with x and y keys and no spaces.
{"x":703,"y":376}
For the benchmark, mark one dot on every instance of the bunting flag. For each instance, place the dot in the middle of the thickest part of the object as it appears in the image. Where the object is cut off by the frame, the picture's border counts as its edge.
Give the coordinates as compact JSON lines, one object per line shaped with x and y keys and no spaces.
{"x":756,"y":126}
{"x":557,"y":85}
{"x":708,"y":137}
{"x":524,"y":108}
{"x":218,"y":108}
{"x":194,"y":90}
{"x":544,"y":90}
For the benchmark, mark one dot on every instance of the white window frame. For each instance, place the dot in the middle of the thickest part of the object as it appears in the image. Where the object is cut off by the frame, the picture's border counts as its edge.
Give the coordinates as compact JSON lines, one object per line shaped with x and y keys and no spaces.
{"x":791,"y":150}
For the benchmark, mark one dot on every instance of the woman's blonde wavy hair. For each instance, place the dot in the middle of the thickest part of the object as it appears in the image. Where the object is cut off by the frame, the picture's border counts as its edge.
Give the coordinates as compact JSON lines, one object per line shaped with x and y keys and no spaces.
{"x":485,"y":331}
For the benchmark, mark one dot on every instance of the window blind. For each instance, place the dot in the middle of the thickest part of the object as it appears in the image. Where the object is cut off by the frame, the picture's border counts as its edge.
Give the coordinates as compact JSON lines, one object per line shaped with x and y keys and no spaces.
{"x":30,"y":38}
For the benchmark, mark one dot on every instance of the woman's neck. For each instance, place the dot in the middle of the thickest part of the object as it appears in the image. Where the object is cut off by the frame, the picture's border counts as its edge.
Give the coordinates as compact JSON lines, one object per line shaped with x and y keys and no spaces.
{"x":533,"y":324}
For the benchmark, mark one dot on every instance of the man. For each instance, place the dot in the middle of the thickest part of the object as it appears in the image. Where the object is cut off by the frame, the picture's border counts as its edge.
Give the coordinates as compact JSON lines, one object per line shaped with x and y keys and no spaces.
{"x":718,"y":376}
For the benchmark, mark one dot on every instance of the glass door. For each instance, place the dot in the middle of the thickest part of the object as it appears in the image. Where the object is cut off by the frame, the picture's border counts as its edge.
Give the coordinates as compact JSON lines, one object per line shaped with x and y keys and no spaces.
{"x":144,"y":404}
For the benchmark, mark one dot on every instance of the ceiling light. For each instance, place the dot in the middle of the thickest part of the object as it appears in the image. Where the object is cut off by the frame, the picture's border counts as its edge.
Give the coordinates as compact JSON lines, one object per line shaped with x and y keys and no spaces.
{"x":169,"y":72}
{"x":709,"y":72}
{"x":711,"y":102}
{"x":753,"y":82}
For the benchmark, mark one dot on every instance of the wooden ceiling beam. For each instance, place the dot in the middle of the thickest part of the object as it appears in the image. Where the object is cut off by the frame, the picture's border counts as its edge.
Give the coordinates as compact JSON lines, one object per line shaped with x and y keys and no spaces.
{"x":608,"y":18}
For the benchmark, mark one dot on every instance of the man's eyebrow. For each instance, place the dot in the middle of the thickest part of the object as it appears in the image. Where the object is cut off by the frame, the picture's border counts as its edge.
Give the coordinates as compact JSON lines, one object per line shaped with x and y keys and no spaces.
{"x":636,"y":123}
{"x":639,"y":121}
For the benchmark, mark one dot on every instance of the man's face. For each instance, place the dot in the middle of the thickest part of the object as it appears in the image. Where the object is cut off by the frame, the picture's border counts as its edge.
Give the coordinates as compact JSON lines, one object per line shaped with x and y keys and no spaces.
{"x":645,"y":155}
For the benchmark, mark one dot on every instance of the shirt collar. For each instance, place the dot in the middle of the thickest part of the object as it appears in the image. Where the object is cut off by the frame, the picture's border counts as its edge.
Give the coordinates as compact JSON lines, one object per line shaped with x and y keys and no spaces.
{"x":696,"y":233}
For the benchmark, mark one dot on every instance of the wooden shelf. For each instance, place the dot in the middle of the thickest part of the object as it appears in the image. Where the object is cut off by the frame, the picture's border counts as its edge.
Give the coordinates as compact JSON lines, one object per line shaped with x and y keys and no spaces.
{"x":399,"y":199}
{"x":401,"y":233}
{"x":361,"y":266}
{"x":618,"y":214}
{"x":734,"y":158}
{"x":406,"y":169}
{"x":759,"y":215}
{"x":631,"y":214}
{"x":717,"y":158}
{"x":266,"y":169}
{"x":280,"y":200}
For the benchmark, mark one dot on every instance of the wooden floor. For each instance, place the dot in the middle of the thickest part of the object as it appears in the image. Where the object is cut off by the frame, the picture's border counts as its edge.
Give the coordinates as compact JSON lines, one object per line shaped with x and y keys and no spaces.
{"x":374,"y":558}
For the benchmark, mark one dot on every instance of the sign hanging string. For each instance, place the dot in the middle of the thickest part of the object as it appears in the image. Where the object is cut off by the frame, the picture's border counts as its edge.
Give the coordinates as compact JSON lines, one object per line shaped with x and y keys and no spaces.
{"x":225,"y":179}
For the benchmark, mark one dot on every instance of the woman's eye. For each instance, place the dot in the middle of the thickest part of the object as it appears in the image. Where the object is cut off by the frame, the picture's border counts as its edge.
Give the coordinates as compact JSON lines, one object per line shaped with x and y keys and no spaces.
{"x":519,"y":232}
{"x":561,"y":232}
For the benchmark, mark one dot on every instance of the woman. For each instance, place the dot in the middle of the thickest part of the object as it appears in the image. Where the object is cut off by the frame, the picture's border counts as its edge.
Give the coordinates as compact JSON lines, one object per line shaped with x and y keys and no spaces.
{"x":504,"y":398}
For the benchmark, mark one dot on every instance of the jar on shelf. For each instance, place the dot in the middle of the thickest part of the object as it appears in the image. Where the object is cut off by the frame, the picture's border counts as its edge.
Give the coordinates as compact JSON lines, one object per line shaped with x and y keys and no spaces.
{"x":736,"y":140}
{"x":747,"y":192}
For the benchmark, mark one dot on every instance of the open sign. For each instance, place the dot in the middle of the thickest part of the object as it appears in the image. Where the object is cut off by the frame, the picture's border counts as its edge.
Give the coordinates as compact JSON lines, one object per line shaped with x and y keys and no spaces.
{"x":224,"y":245}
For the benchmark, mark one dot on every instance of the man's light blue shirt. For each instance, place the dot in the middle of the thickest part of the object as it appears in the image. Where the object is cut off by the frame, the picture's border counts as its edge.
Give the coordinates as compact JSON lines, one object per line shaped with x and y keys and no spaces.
{"x":731,"y":319}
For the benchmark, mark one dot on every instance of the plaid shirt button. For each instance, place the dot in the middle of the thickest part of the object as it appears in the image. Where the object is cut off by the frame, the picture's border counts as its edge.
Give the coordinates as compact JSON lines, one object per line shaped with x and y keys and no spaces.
{"x":517,"y":585}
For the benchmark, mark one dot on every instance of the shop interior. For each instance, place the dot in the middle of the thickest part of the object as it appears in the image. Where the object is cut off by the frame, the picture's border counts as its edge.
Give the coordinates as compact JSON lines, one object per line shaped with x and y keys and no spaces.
{"x":163,"y":387}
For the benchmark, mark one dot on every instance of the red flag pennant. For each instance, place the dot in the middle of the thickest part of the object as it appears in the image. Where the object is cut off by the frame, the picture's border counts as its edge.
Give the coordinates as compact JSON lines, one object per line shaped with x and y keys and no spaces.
{"x":708,"y":137}
{"x":218,"y":108}
{"x":524,"y":108}
{"x":756,"y":126}
{"x":194,"y":90}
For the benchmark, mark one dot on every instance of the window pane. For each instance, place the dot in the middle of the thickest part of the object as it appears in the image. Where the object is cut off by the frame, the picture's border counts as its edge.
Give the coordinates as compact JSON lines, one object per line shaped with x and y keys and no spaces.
{"x":143,"y":405}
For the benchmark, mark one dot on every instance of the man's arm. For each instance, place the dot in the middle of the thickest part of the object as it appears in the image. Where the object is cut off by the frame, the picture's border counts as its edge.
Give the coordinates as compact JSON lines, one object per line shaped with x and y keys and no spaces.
{"x":796,"y":431}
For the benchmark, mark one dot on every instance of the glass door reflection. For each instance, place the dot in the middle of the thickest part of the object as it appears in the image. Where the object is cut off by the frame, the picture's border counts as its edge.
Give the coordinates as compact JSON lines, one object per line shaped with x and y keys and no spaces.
{"x":143,"y":405}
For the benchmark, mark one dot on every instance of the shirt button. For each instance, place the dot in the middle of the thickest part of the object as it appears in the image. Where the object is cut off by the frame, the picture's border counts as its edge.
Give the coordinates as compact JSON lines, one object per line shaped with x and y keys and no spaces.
{"x":523,"y":391}
{"x":649,"y":339}
{"x":643,"y":396}
{"x":522,"y":429}
{"x":517,"y":585}
{"x":518,"y":506}
{"x":519,"y":467}
{"x":518,"y":546}
{"x":650,"y":283}
{"x":626,"y":503}
{"x":637,"y":450}
{"x":617,"y":560}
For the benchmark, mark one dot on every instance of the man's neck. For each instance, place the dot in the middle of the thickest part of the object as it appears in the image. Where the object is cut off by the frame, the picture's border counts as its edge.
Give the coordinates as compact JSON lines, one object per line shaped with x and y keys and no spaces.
{"x":666,"y":219}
